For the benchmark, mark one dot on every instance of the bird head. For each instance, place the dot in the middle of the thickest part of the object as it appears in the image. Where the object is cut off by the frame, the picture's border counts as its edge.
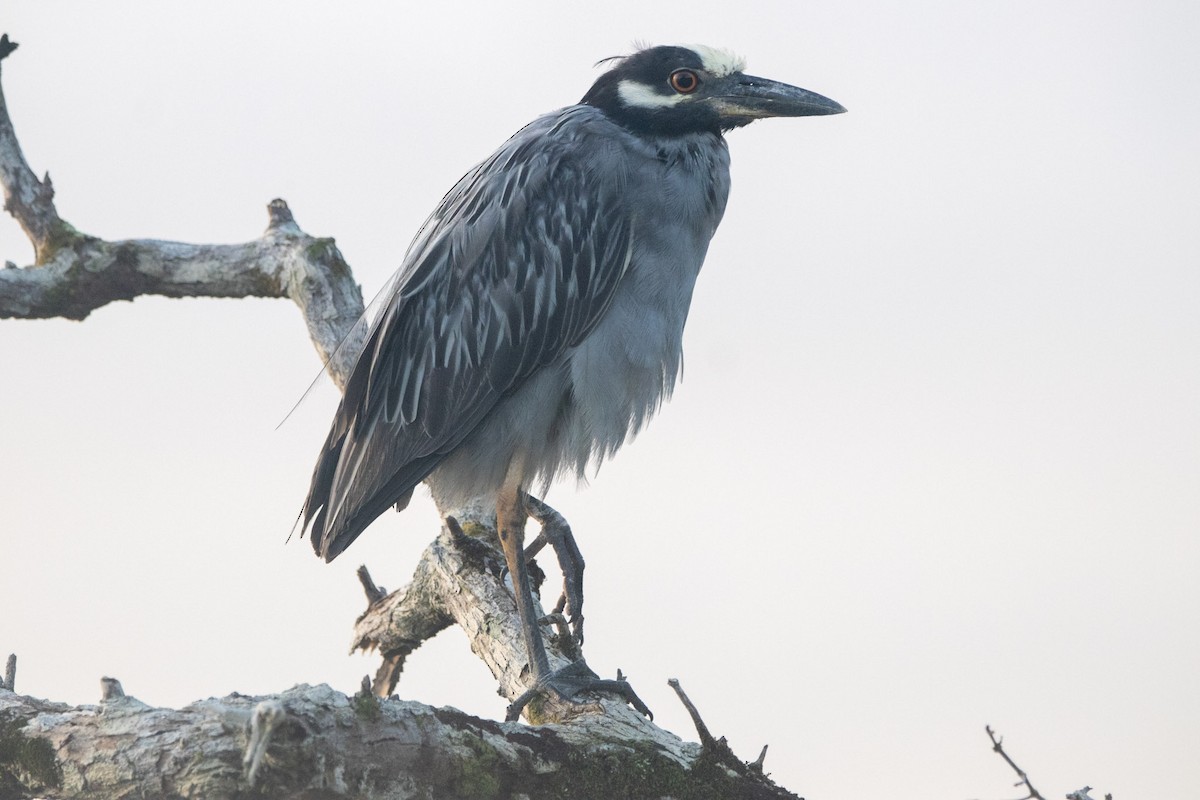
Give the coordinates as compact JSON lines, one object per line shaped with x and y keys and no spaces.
{"x":677,"y":90}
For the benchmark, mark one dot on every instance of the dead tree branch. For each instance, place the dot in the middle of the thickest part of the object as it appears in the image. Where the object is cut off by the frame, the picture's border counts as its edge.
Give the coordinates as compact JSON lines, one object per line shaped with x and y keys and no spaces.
{"x":75,"y":273}
{"x":319,"y":741}
{"x":9,"y":681}
{"x":998,"y":746}
{"x":312,"y":741}
{"x":1033,"y":794}
{"x":30,"y":201}
{"x":458,"y":582}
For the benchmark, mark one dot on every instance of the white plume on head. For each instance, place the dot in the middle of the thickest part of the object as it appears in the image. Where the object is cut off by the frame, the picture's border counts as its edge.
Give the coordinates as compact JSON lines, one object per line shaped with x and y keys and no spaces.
{"x":718,"y":61}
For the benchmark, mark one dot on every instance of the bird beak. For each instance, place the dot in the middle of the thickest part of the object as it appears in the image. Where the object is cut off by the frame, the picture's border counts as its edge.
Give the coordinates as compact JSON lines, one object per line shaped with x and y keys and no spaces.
{"x":745,"y":98}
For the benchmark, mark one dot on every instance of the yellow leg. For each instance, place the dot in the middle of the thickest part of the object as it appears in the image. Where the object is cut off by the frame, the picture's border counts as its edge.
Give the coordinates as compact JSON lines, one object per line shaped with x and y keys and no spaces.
{"x":511,"y":516}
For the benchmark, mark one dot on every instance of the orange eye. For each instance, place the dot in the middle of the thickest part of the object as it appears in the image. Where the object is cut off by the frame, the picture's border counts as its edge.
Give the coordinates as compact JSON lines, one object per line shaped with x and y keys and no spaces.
{"x":684,"y":81}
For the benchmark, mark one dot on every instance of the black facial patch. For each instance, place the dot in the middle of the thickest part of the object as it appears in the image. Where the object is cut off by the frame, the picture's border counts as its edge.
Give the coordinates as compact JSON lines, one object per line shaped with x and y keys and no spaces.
{"x":652,"y":67}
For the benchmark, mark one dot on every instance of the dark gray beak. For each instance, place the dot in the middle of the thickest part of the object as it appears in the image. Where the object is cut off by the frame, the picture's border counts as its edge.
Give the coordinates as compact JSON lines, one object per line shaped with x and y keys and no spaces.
{"x":744,"y":98}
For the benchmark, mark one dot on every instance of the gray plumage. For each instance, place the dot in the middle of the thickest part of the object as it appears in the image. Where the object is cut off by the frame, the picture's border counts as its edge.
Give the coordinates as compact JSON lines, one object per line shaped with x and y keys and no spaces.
{"x":537,"y":319}
{"x":526,"y":326}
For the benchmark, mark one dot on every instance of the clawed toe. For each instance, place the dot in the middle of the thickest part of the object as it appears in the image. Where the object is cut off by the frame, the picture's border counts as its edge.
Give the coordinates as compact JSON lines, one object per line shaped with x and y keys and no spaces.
{"x":557,"y":533}
{"x":573,"y":680}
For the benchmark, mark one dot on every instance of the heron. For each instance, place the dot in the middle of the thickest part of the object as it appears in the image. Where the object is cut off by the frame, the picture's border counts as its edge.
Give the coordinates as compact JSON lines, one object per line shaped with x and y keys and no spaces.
{"x":536,"y":321}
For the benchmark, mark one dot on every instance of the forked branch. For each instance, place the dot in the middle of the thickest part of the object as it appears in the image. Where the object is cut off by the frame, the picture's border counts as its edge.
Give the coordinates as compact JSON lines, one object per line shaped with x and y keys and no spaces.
{"x":998,"y":746}
{"x":75,"y":273}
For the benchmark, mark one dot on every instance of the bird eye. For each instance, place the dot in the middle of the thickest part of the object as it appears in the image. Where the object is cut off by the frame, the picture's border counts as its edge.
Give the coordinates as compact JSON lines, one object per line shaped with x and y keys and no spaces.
{"x":684,"y":81}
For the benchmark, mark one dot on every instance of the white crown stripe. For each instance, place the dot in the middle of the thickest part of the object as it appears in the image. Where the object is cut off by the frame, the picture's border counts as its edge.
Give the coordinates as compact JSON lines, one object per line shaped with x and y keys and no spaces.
{"x":717,"y":61}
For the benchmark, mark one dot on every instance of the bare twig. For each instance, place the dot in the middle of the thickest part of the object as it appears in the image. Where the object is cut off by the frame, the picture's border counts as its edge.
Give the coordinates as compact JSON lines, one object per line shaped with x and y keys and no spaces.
{"x":997,"y":745}
{"x":374,"y":593}
{"x":30,"y":201}
{"x":757,"y":764}
{"x":392,"y":666}
{"x":110,"y":689}
{"x":706,"y":739}
{"x":718,"y":750}
{"x":263,"y":722}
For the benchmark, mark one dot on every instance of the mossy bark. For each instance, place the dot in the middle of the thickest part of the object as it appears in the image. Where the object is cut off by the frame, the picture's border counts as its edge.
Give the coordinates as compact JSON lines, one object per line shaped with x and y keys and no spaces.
{"x":324,"y":745}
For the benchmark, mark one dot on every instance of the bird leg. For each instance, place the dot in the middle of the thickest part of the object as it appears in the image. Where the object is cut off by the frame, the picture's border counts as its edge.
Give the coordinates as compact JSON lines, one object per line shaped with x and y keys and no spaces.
{"x":511,"y":515}
{"x":557,"y":533}
{"x":510,"y":525}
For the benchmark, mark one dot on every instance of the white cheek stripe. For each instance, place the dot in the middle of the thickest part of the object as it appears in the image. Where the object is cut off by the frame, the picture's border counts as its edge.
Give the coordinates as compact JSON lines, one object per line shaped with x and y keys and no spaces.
{"x":639,"y":95}
{"x":716,"y":61}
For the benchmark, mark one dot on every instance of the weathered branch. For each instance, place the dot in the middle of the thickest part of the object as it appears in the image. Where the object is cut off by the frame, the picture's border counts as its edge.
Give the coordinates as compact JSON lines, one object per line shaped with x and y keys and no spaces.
{"x":314,"y":741}
{"x":998,"y":746}
{"x":81,"y":273}
{"x":706,"y":738}
{"x":458,"y":581}
{"x":30,"y":201}
{"x":75,"y":273}
{"x":718,"y":749}
{"x":9,"y":681}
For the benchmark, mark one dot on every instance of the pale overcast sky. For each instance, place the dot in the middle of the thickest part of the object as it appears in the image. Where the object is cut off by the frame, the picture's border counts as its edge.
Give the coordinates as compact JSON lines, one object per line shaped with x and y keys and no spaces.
{"x":934,"y":464}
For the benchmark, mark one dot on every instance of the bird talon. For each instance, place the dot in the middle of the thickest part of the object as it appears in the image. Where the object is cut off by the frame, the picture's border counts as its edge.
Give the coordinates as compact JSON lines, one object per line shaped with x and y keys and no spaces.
{"x":571,"y":681}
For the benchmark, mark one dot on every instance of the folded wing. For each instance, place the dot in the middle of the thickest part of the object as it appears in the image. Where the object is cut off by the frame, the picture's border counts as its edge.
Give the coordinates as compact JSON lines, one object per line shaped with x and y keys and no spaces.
{"x":516,"y":266}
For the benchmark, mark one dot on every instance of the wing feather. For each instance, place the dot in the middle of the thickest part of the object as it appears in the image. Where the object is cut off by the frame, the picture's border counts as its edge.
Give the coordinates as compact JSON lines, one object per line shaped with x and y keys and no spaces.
{"x":514,"y":268}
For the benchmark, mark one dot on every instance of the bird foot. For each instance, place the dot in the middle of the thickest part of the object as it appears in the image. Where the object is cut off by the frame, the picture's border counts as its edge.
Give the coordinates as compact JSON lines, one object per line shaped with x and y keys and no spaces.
{"x":571,"y":681}
{"x":557,"y":533}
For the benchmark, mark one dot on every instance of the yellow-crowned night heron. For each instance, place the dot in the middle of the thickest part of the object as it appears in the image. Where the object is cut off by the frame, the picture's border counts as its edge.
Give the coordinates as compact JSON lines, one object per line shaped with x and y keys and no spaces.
{"x":537,"y":319}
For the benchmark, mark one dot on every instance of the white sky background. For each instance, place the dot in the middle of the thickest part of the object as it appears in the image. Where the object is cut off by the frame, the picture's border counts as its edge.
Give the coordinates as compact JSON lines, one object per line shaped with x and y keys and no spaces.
{"x":935,"y":462}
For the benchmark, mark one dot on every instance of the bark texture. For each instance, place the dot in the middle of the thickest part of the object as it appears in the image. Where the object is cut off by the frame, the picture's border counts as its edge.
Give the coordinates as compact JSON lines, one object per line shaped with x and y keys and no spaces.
{"x":323,"y":744}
